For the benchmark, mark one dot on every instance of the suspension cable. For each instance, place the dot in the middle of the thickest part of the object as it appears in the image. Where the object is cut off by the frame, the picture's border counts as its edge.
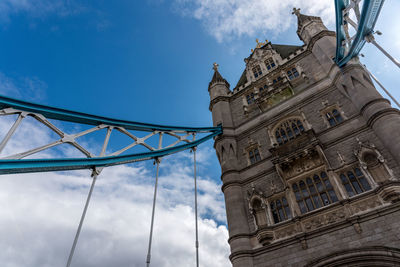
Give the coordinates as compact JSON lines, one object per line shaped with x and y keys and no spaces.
{"x":157,"y":161}
{"x":71,"y":254}
{"x":383,"y":88}
{"x":195,"y":206}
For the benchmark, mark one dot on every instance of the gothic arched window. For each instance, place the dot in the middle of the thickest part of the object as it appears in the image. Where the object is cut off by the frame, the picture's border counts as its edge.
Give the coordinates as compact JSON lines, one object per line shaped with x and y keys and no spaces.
{"x":334,"y":117}
{"x":257,"y":71}
{"x":293,"y":73}
{"x":355,"y":182}
{"x":288,"y":130}
{"x":313,"y":193}
{"x":280,"y":210}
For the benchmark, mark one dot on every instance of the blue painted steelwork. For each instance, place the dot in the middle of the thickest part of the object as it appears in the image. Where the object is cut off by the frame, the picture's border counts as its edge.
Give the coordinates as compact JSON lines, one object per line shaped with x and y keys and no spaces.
{"x":369,"y":15}
{"x":79,"y":117}
{"x":10,"y":166}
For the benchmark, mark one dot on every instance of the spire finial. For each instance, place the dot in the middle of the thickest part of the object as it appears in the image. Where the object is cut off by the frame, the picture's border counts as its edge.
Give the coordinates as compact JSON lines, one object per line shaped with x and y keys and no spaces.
{"x":215,"y":66}
{"x":296,"y":11}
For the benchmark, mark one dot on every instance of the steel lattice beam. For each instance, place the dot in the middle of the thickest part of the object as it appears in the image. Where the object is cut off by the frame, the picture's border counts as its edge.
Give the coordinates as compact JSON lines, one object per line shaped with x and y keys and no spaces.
{"x":16,"y":163}
{"x":348,"y":47}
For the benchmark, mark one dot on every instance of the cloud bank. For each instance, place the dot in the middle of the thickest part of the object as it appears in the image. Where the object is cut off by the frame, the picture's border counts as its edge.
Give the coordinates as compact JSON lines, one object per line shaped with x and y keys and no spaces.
{"x":231,"y":19}
{"x":40,"y":212}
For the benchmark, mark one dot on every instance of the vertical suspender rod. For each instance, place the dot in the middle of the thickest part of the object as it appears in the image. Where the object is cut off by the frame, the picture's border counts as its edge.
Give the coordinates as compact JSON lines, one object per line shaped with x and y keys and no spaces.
{"x":195,"y":206}
{"x":157,"y":161}
{"x":71,"y":254}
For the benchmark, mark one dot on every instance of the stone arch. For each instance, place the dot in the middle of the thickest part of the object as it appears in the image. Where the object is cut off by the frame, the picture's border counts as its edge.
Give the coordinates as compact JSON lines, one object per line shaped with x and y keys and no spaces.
{"x":288,"y":128}
{"x":361,"y":257}
{"x":371,"y":160}
{"x":259,"y":211}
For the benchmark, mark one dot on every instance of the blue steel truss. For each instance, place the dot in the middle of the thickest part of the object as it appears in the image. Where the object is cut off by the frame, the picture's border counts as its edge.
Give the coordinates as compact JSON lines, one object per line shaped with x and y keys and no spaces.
{"x":16,"y":163}
{"x":348,"y":47}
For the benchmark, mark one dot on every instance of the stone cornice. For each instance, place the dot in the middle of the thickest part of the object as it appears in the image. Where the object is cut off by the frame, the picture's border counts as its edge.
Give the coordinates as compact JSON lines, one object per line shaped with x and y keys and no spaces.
{"x":218,"y":99}
{"x":272,"y":169}
{"x":319,"y":231}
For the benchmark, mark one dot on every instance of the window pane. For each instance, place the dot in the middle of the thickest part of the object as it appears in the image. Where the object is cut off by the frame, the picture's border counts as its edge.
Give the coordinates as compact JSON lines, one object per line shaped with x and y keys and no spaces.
{"x":290,"y":133}
{"x":317,"y":202}
{"x":332,"y":121}
{"x":333,"y":196}
{"x":303,"y":208}
{"x":325,"y":199}
{"x":300,"y":125}
{"x":275,"y":215}
{"x":295,"y":129}
{"x":354,"y":182}
{"x":303,"y":189}
{"x":358,"y":172}
{"x":283,"y":134}
{"x":309,"y":203}
{"x":347,"y":185}
{"x":288,"y":213}
{"x":327,"y":183}
{"x":281,"y":214}
{"x":365,"y":184}
{"x":349,"y":190}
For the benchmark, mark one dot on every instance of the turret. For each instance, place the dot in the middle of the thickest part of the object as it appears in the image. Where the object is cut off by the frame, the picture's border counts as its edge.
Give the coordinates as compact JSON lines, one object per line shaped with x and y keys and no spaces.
{"x":322,"y":42}
{"x":227,"y":152}
{"x":308,"y":26}
{"x":219,"y":92}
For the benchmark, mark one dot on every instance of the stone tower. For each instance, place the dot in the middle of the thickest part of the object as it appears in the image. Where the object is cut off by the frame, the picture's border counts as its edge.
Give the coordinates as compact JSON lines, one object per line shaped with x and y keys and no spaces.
{"x":310,"y":158}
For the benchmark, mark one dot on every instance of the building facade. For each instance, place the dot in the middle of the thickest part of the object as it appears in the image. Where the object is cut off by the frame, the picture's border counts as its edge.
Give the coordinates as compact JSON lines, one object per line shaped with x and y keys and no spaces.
{"x":310,"y":158}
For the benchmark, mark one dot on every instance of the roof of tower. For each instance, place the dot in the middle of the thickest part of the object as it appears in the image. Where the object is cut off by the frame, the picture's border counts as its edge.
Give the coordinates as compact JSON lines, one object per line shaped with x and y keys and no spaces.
{"x":285,"y":50}
{"x":217,"y":77}
{"x":303,"y":19}
{"x":242,"y":80}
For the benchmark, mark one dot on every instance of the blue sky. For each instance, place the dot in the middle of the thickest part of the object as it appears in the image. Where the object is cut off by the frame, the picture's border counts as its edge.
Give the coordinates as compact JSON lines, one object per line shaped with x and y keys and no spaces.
{"x":147,"y":61}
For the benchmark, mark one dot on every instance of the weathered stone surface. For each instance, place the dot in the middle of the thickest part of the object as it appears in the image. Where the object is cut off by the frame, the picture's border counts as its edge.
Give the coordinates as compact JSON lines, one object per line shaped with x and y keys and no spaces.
{"x":344,"y":229}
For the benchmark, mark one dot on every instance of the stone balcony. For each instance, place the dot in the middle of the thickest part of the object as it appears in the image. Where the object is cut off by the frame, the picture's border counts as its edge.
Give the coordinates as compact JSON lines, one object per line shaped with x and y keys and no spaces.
{"x":303,"y":144}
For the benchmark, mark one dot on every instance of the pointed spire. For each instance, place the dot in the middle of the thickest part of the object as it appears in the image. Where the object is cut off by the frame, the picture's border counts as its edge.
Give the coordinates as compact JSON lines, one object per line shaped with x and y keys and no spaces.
{"x":305,"y":21}
{"x":301,"y":18}
{"x":217,"y":76}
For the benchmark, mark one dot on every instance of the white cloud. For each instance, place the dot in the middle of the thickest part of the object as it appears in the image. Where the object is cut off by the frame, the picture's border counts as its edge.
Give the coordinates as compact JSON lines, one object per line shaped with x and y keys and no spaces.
{"x":40,"y":213}
{"x":230,"y":19}
{"x":32,"y":87}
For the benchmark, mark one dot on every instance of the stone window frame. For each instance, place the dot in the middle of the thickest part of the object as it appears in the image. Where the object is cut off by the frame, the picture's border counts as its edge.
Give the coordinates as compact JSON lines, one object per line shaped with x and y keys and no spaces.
{"x":250,"y":98}
{"x":270,"y":63}
{"x":291,"y":73}
{"x":251,"y":147}
{"x":289,"y":209}
{"x":318,"y":171}
{"x":328,"y":109}
{"x":272,"y":132}
{"x":256,"y":71}
{"x":365,"y":173}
